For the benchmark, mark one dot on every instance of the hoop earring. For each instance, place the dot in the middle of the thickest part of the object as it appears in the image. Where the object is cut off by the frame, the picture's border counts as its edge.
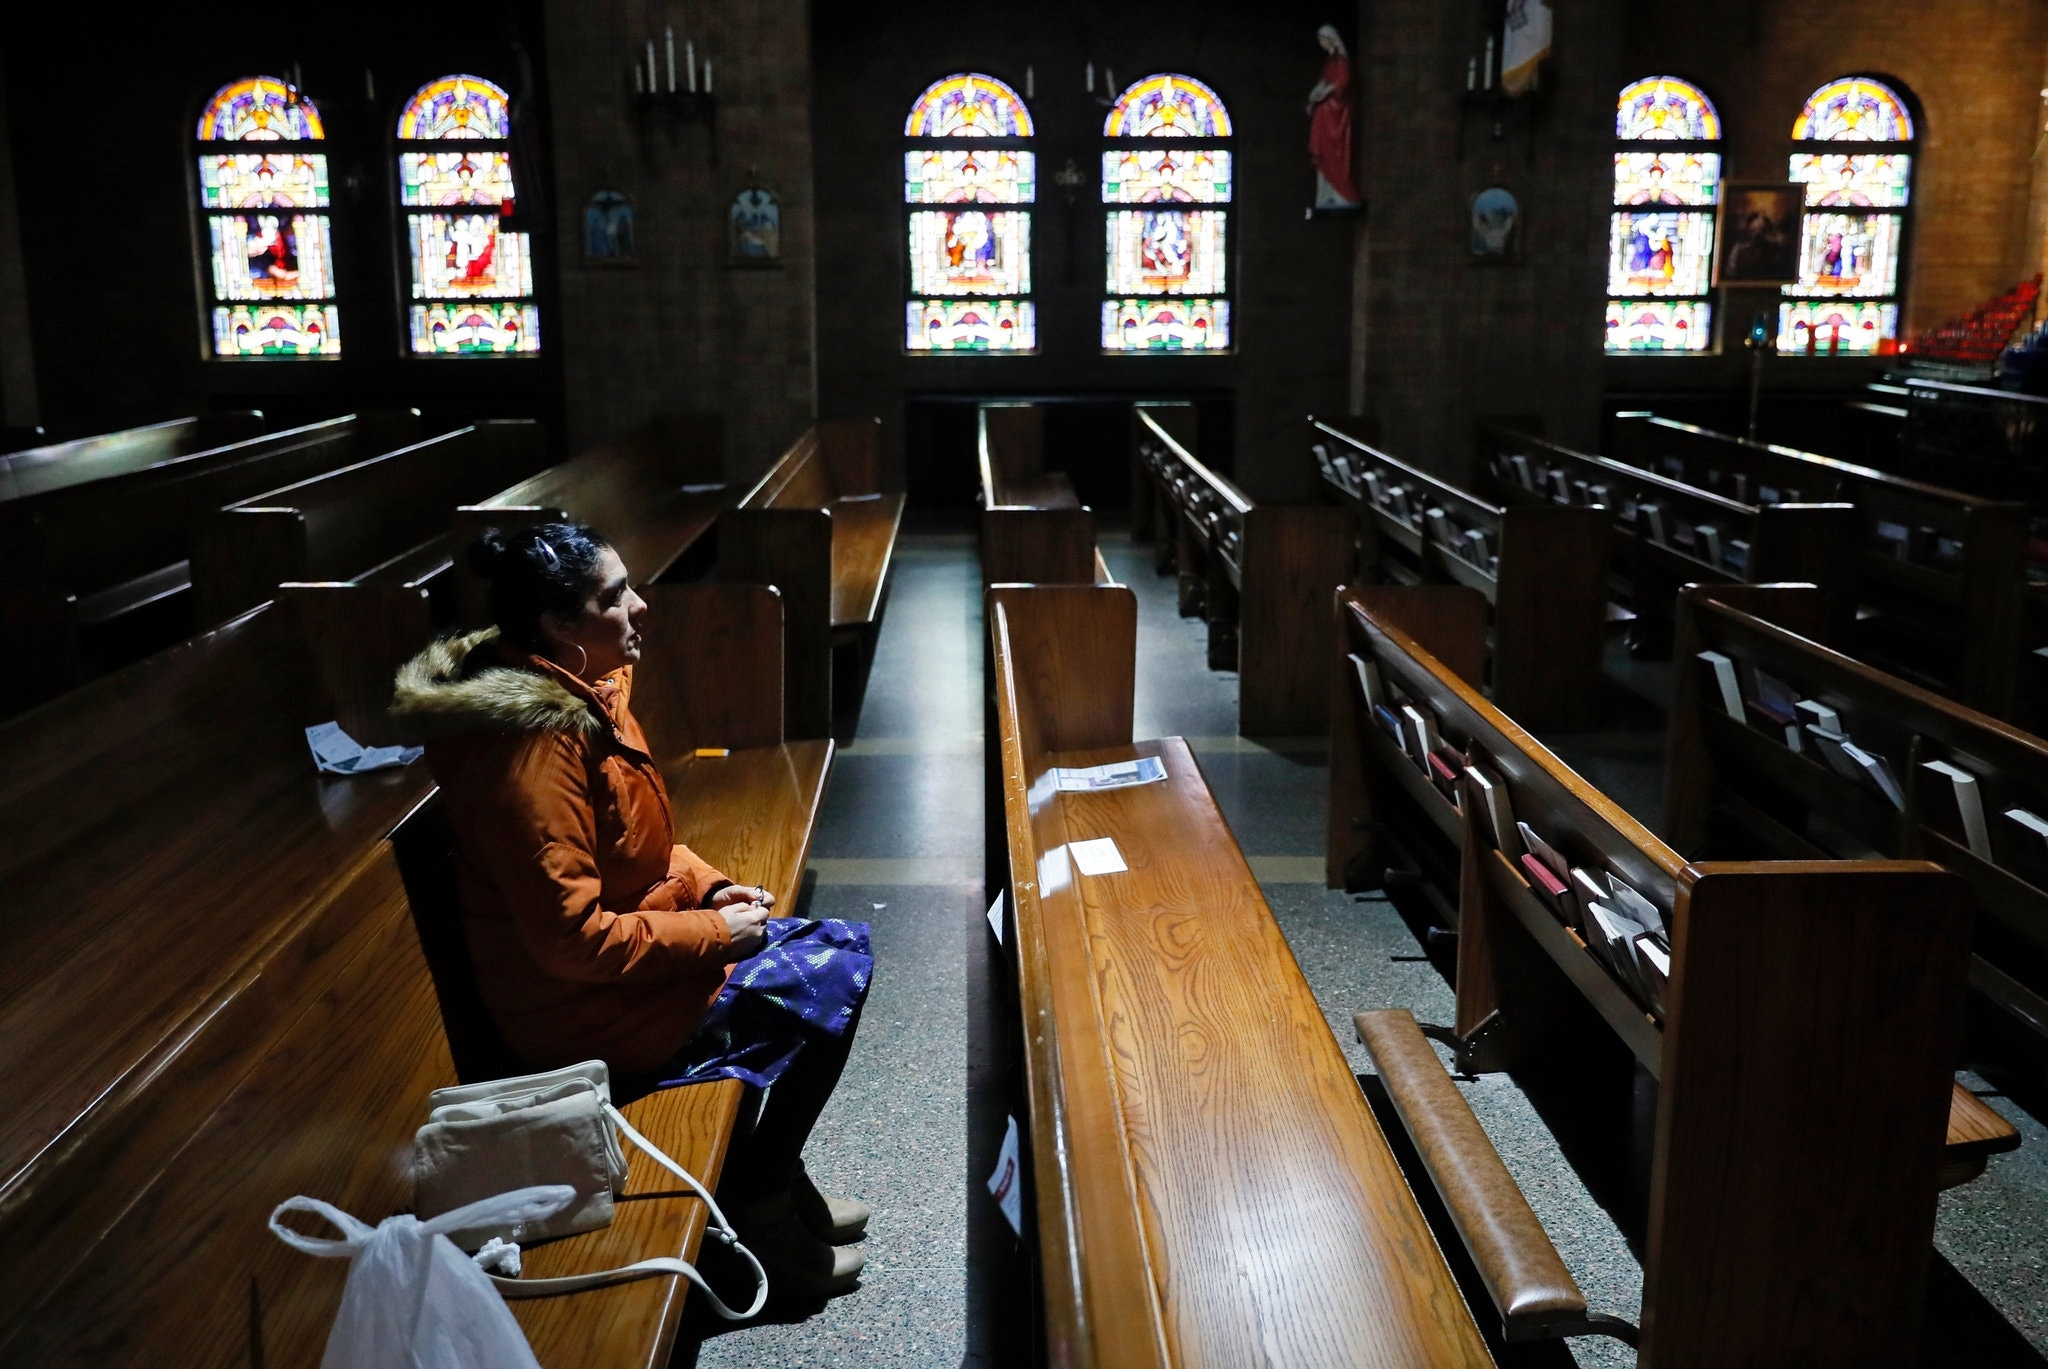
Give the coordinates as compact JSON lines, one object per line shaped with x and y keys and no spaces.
{"x":583,"y":662}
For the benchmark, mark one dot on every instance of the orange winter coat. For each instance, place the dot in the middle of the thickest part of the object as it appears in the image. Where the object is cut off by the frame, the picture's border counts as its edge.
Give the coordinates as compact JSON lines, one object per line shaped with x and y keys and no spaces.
{"x":585,"y":919}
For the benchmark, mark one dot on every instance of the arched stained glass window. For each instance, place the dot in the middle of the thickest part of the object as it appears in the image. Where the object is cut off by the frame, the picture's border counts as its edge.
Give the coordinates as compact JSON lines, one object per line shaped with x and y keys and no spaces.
{"x":1166,"y":176}
{"x":472,"y":280}
{"x":968,"y":184}
{"x":1661,"y":235}
{"x":1852,"y":236}
{"x":271,"y":260}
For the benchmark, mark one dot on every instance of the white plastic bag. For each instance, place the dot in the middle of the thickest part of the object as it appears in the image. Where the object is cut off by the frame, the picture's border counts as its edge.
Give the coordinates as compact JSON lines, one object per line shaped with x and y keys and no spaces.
{"x":414,"y":1301}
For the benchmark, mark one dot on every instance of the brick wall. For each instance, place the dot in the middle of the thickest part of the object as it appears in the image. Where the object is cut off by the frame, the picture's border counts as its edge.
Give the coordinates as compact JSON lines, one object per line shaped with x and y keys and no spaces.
{"x":682,"y":329}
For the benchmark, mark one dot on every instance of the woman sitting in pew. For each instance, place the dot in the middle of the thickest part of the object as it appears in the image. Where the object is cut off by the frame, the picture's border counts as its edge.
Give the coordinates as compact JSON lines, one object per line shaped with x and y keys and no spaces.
{"x":593,"y":933}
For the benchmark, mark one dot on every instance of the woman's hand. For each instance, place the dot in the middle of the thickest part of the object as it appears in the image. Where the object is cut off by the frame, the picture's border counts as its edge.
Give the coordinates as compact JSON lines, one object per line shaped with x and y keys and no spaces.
{"x":747,"y":924}
{"x":742,"y":893}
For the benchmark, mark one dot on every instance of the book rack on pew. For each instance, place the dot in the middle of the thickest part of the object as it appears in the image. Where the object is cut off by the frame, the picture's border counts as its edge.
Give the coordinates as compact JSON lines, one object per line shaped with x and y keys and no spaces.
{"x":1034,"y":528}
{"x":1799,"y":1018}
{"x":1881,"y":767}
{"x":1205,"y":1183}
{"x":1667,"y":533}
{"x":1938,"y":572}
{"x":1256,"y":573}
{"x":1542,"y":568}
{"x":244,"y":1028}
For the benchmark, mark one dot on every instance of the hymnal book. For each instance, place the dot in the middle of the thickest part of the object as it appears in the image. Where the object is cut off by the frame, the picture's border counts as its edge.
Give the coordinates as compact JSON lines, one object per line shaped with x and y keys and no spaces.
{"x":1590,"y":887}
{"x":1766,"y":494}
{"x":1500,"y":814}
{"x":1372,"y":487}
{"x":1368,"y":679}
{"x":1969,"y":797}
{"x":1878,"y":772}
{"x":1322,"y":457}
{"x":1709,"y":542}
{"x":2034,"y":850}
{"x":1421,"y":732}
{"x":1559,"y":488}
{"x":1443,"y":772}
{"x":1390,"y":724}
{"x":1109,"y":775}
{"x":1477,"y":549}
{"x":1738,"y":555}
{"x":1947,"y":553}
{"x":1831,"y":743}
{"x":1522,"y":476}
{"x":1341,"y":468}
{"x":1892,"y":539}
{"x":1777,"y":703}
{"x":1440,"y":526}
{"x":1615,"y":935}
{"x":1638,"y":908}
{"x":1741,"y":488}
{"x":1560,"y":869}
{"x":1596,"y":494}
{"x":1818,"y":713}
{"x":1547,"y":884}
{"x":1686,"y":537}
{"x":1655,"y":517}
{"x":1725,"y":680}
{"x":1581,"y":492}
{"x":1397,"y":500}
{"x":1656,"y":963}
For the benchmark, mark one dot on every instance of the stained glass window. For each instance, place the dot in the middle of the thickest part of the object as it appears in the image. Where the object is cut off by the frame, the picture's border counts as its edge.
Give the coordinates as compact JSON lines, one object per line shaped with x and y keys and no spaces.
{"x":270,"y":248}
{"x":1166,"y":260}
{"x":1660,"y":248}
{"x":969,"y":184}
{"x":472,"y":275}
{"x":1852,"y":237}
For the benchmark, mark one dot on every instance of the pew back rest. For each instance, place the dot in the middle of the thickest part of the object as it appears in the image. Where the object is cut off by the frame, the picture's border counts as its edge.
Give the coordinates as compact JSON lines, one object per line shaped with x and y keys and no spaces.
{"x":88,"y":537}
{"x":344,"y":522}
{"x":60,"y":465}
{"x":834,"y":459}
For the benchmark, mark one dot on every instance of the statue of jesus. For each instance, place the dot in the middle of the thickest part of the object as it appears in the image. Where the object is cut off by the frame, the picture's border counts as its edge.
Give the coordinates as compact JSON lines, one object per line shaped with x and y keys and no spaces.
{"x":1329,"y":126}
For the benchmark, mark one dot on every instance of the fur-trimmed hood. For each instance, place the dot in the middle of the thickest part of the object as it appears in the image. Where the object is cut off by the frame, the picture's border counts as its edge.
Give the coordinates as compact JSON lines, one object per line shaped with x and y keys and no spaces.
{"x":442,"y":691}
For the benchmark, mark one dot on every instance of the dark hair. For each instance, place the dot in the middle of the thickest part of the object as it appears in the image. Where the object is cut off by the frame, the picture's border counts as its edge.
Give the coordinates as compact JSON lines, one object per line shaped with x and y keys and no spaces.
{"x":549,"y":568}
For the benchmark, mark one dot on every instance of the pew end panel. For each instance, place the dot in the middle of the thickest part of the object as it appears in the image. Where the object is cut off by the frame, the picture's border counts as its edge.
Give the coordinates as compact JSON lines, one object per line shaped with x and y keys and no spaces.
{"x":1010,"y":446}
{"x":851,"y":449}
{"x":1550,"y":616}
{"x":241,"y":555}
{"x":359,"y":635}
{"x":1037,"y":546}
{"x":1814,"y":1014}
{"x":1290,"y":559}
{"x":711,"y":672}
{"x":1816,"y":544}
{"x":791,"y":549}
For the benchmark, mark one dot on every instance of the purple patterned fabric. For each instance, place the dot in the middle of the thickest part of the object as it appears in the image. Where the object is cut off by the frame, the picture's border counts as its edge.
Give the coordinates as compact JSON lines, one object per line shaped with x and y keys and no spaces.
{"x":811,"y":977}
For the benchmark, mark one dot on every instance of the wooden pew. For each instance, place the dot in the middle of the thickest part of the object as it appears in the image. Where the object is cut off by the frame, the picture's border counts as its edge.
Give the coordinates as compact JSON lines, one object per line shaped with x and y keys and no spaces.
{"x":1257,"y":573}
{"x":60,"y":465}
{"x":1758,"y":543}
{"x":653,"y":493}
{"x":1210,"y":1186}
{"x":1542,"y":568}
{"x":140,"y":1232}
{"x":1938,"y":571}
{"x":95,"y":575}
{"x":384,"y":519}
{"x":1802,"y":1048}
{"x":1731,"y":786}
{"x":1034,"y":528}
{"x":818,"y":526}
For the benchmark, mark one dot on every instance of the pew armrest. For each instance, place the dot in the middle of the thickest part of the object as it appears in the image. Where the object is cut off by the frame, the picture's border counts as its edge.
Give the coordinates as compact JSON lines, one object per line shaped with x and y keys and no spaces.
{"x":1530,"y":1287}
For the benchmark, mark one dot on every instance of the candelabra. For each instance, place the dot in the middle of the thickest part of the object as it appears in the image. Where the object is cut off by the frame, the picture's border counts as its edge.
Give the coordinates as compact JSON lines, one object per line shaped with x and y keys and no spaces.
{"x":678,"y":95}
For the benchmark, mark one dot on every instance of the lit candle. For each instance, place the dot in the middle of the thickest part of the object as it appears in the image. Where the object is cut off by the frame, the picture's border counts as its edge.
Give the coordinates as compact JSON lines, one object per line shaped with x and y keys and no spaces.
{"x":650,"y":66}
{"x":1471,"y":73}
{"x":669,"y":39}
{"x":1030,"y":85}
{"x":1091,"y":78}
{"x":707,"y":75}
{"x":1108,"y":81}
{"x":690,"y":64}
{"x":1489,"y":61}
{"x":639,"y":79}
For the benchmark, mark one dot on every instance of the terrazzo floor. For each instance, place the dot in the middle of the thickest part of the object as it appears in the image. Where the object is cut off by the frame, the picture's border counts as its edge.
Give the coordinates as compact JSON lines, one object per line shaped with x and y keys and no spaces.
{"x":916,"y":1121}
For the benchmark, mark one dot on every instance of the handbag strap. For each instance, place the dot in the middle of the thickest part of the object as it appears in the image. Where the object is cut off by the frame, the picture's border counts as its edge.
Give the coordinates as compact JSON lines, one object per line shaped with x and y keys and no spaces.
{"x":716,"y":1225}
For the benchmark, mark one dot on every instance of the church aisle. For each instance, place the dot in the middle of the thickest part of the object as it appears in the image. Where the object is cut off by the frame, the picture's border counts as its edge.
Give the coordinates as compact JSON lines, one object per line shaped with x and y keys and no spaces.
{"x":898,"y":846}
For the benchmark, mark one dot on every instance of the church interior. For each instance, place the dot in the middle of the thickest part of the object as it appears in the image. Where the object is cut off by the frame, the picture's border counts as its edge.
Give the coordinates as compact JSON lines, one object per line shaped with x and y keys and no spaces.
{"x":1071,"y":481}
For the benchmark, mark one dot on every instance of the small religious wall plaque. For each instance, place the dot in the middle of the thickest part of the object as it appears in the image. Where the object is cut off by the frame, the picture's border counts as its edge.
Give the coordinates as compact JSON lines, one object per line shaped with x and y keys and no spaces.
{"x":608,"y":229}
{"x":754,"y":229}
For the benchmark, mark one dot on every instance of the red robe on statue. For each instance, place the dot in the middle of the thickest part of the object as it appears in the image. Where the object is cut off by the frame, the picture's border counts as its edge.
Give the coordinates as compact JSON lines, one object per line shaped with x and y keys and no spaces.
{"x":1329,"y":130}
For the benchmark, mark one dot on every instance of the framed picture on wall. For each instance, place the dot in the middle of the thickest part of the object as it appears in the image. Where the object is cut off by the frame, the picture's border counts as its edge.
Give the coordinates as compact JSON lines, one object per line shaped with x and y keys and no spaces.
{"x":1496,"y":225}
{"x":754,"y":229}
{"x":608,"y":229}
{"x":1760,"y":233}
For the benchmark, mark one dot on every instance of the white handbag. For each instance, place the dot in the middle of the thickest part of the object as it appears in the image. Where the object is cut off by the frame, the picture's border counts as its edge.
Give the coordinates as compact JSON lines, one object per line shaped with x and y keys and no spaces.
{"x":560,"y":1128}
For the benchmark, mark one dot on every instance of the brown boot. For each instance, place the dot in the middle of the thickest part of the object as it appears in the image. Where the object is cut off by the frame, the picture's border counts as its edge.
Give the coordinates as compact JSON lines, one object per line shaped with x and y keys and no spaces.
{"x":834,"y":1221}
{"x":797,"y":1262}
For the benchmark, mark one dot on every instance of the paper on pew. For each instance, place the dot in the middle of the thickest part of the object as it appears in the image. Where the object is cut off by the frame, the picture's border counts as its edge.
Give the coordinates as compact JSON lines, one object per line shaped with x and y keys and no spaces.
{"x":337,"y":753}
{"x":995,"y":917}
{"x":1110,"y":775}
{"x":1003,"y":1185}
{"x":1097,"y":857}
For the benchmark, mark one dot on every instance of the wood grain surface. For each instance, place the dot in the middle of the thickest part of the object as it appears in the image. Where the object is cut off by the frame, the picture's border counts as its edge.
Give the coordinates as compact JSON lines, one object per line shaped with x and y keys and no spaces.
{"x":863,"y":545}
{"x":1037,"y":546}
{"x":1212,"y":1189}
{"x":102,"y":456}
